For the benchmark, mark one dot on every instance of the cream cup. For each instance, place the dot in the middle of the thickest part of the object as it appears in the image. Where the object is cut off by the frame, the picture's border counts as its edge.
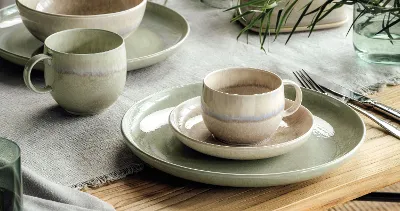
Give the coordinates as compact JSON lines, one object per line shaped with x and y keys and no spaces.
{"x":85,"y":69}
{"x":245,"y":106}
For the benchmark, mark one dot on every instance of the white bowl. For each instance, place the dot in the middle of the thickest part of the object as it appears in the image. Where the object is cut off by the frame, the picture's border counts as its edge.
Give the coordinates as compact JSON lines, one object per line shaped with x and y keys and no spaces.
{"x":45,"y":17}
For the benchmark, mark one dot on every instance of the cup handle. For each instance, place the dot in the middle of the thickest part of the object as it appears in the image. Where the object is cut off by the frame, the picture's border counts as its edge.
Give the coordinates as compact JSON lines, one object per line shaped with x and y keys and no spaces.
{"x":297,"y":101}
{"x":27,"y":74}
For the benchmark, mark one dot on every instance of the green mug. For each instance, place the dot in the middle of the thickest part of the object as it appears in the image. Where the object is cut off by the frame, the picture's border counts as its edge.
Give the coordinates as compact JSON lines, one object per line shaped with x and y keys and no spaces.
{"x":85,"y":69}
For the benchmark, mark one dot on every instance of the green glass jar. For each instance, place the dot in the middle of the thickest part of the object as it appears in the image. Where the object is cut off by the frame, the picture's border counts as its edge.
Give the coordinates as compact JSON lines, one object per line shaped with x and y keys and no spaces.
{"x":10,"y":176}
{"x":372,"y":42}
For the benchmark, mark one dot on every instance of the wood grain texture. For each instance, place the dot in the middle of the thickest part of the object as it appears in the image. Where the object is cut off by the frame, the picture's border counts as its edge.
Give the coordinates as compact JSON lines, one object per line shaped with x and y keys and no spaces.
{"x":375,"y":166}
{"x":369,"y":205}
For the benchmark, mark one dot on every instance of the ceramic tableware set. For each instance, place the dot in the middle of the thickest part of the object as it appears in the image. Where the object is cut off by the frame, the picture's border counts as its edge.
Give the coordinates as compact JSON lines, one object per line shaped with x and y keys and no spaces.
{"x":86,"y":47}
{"x":240,"y":127}
{"x":243,"y":132}
{"x":161,"y":32}
{"x":84,"y":50}
{"x":238,"y":114}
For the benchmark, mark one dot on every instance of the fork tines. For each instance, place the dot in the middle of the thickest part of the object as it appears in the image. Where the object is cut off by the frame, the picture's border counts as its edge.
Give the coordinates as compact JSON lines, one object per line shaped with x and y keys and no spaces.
{"x":306,"y":81}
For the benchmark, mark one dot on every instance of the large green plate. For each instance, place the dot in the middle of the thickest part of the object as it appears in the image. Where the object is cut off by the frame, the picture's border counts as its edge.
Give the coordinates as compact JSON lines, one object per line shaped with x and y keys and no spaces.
{"x":338,"y":133}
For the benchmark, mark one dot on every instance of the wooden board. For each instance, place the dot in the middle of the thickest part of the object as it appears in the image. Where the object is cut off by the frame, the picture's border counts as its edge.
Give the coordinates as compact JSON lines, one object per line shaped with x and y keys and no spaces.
{"x":370,"y":205}
{"x":375,"y":166}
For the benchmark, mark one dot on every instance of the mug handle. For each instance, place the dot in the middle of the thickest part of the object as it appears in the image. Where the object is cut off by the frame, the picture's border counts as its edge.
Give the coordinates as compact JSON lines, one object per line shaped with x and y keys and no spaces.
{"x":27,"y":74}
{"x":297,"y":101}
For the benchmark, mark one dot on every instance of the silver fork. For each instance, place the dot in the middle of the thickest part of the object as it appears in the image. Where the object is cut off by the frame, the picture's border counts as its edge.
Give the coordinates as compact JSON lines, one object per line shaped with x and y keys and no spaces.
{"x":307,"y":82}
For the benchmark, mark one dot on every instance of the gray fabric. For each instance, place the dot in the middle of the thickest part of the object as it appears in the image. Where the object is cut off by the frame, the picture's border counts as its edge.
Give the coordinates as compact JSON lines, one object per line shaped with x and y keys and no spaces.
{"x":74,"y":151}
{"x":44,"y":195}
{"x":5,"y":3}
{"x":60,"y":147}
{"x":223,"y":4}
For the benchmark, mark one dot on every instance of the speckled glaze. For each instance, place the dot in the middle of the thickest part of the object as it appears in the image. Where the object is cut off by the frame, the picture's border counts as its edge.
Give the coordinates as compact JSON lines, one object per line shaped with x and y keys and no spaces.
{"x":85,"y":69}
{"x":245,"y":119}
{"x":338,"y":133}
{"x":187,"y":123}
{"x":45,"y":17}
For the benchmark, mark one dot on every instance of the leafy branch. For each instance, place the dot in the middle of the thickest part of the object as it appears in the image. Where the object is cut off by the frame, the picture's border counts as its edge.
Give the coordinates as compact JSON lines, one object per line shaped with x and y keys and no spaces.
{"x":261,"y":11}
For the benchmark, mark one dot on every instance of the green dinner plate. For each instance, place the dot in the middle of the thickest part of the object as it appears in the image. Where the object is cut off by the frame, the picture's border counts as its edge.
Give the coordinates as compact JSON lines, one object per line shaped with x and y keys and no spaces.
{"x":338,"y":133}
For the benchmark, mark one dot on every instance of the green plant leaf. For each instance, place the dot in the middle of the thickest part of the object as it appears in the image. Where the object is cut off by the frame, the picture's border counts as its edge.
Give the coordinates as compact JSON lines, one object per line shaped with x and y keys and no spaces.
{"x":386,"y":3}
{"x":250,"y":25}
{"x":266,"y":33}
{"x":288,"y":16}
{"x":312,"y":21}
{"x":318,"y":15}
{"x":262,"y":11}
{"x":336,"y":6}
{"x":354,"y":21}
{"x":261,"y":26}
{"x":389,"y":25}
{"x":313,"y":11}
{"x":237,"y":17}
{"x":299,"y":20}
{"x":284,"y":17}
{"x":347,"y":3}
{"x":387,"y":30}
{"x":278,"y":18}
{"x":270,"y":6}
{"x":391,"y":10}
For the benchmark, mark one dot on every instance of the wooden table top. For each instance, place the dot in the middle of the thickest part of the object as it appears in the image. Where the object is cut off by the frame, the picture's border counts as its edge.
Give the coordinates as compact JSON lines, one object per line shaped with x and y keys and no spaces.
{"x":376,"y":165}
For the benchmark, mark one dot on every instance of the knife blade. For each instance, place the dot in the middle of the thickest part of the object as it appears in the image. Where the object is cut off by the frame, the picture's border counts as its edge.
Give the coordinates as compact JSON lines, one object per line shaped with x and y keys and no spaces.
{"x":356,"y":98}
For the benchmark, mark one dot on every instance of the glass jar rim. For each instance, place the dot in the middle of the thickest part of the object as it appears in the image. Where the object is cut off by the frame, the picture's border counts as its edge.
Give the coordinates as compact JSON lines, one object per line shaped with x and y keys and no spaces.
{"x":16,"y":148}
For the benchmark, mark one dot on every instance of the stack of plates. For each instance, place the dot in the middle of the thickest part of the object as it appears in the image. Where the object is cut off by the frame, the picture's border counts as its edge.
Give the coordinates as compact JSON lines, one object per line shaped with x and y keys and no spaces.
{"x":336,"y":135}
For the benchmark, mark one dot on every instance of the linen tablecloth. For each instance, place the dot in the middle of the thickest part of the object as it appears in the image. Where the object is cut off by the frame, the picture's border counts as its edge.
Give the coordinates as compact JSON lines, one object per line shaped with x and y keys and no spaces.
{"x":78,"y":151}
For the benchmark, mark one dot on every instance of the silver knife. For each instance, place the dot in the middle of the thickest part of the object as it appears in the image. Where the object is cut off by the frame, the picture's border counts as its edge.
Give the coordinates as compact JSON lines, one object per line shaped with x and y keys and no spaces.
{"x":357,"y":98}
